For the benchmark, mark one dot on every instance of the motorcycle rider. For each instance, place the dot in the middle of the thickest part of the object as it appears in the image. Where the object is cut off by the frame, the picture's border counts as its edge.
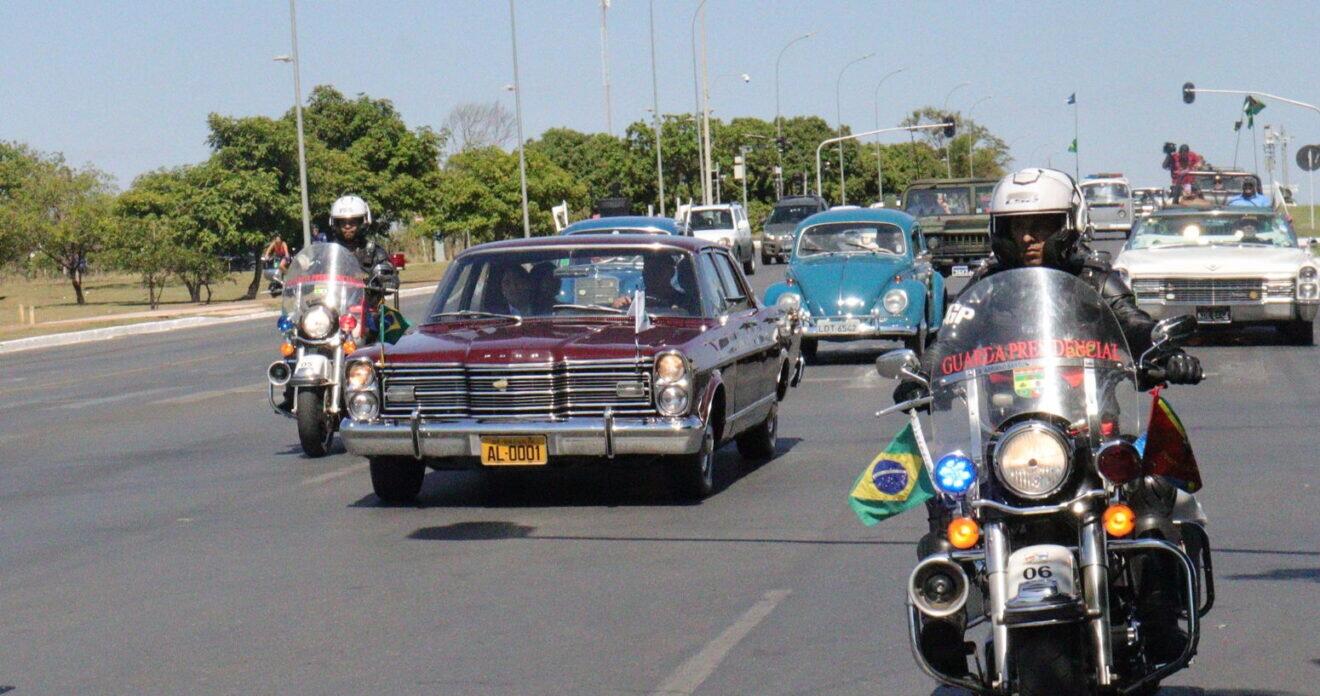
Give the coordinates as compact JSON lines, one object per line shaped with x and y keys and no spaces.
{"x":1037,"y":217}
{"x":350,"y":216}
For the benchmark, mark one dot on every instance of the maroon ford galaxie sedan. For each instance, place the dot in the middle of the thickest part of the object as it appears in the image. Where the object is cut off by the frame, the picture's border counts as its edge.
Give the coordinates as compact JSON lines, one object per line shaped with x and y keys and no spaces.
{"x":563,"y":350}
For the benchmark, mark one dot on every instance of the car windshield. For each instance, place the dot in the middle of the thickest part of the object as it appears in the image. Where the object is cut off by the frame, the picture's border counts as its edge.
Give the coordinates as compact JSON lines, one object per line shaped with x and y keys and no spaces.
{"x":1105,"y":193}
{"x":934,"y":202}
{"x":594,"y":281}
{"x":791,"y":213}
{"x":1216,"y":229}
{"x":711,"y":220}
{"x":983,"y":196}
{"x":851,"y":238}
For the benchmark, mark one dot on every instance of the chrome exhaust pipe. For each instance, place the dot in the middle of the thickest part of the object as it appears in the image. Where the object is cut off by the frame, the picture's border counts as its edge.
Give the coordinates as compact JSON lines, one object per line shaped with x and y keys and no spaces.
{"x":279,"y":373}
{"x":938,"y":587}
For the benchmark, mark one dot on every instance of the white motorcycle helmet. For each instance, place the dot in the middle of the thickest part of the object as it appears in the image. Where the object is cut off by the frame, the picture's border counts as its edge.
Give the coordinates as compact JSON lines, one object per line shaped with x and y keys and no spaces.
{"x":1036,"y":192}
{"x":348,"y":208}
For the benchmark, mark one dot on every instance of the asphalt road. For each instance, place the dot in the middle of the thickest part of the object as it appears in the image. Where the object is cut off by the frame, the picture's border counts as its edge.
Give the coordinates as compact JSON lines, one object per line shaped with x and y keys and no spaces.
{"x":163,"y":535}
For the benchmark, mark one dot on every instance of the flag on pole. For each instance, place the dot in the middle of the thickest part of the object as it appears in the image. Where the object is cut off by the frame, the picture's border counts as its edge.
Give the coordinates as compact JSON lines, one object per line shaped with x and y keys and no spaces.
{"x":1252,"y":106}
{"x":1072,"y":98}
{"x":894,"y":481}
{"x":1073,"y":146}
{"x":392,"y":324}
{"x":1165,"y":448}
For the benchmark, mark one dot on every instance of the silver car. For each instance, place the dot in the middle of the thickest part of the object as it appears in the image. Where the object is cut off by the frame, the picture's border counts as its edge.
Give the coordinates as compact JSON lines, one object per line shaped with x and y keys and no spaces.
{"x":1109,"y":201}
{"x":1231,"y":266}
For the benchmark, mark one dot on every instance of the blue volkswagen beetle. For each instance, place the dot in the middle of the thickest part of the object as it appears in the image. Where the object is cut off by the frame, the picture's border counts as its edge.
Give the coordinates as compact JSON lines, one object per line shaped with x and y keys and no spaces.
{"x":626,"y":224}
{"x":861,"y":274}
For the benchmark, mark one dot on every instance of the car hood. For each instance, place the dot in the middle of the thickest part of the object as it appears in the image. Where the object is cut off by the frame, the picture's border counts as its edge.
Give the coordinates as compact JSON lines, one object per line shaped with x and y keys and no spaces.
{"x":828,"y":283}
{"x":538,"y":340}
{"x":1211,"y":261}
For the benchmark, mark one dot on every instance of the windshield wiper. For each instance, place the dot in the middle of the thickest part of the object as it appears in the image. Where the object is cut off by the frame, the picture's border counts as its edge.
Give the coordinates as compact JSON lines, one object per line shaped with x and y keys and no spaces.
{"x":474,"y":314}
{"x":590,"y":308}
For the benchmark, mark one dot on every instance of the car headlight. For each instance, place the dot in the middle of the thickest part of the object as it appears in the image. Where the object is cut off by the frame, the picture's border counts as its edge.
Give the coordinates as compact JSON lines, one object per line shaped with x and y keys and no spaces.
{"x":1308,"y":291}
{"x":1307,"y":273}
{"x":670,"y":367}
{"x":726,"y":242}
{"x":1032,"y":460}
{"x":363,"y":406}
{"x":672,"y":400}
{"x":895,"y":301}
{"x":360,"y":375}
{"x":318,"y":322}
{"x":672,"y":384}
{"x":789,"y":302}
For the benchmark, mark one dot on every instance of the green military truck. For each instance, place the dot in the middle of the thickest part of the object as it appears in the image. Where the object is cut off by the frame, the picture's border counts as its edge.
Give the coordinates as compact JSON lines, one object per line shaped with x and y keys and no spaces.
{"x":955,"y":216}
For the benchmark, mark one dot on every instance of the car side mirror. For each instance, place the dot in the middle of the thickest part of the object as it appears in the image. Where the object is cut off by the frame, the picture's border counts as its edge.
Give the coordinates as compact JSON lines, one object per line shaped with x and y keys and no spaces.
{"x":899,"y":364}
{"x":1173,"y":330}
{"x":385,"y":275}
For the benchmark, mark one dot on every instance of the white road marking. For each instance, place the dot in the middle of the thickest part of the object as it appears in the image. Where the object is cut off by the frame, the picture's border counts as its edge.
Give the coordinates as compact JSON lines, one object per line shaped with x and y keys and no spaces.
{"x":84,"y":403}
{"x":194,"y":397}
{"x":698,"y":668}
{"x":332,"y":475}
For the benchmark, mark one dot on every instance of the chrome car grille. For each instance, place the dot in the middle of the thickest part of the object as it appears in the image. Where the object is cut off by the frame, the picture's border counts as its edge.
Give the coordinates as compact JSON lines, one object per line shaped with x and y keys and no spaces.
{"x":541,"y":390}
{"x":1209,"y":291}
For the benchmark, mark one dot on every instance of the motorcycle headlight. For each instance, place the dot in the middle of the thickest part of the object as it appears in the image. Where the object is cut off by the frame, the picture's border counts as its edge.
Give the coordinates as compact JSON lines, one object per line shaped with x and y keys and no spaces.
{"x":360,"y":375}
{"x":363,"y":406}
{"x":895,"y":301}
{"x":1032,"y":460}
{"x":318,"y":322}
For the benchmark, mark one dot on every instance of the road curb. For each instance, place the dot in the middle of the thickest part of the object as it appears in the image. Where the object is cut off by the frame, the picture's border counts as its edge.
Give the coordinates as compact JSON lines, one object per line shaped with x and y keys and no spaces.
{"x":87,"y":336}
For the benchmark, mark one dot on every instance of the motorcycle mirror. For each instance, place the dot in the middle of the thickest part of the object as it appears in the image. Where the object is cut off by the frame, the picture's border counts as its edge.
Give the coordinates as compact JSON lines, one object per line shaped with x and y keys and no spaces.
{"x":898,"y":364}
{"x":1176,"y":329}
{"x":1189,"y":93}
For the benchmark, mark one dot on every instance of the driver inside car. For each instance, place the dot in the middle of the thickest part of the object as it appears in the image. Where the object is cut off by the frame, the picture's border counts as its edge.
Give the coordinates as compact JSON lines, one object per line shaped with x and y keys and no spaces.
{"x":658,"y":279}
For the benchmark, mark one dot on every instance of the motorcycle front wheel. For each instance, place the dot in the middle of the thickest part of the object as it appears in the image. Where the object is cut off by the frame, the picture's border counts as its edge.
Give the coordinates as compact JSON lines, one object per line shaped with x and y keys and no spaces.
{"x":316,"y":428}
{"x":1048,"y":661}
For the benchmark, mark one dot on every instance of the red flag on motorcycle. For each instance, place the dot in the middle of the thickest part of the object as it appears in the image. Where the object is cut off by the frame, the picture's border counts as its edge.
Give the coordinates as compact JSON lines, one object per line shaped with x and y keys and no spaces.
{"x":1168,"y":451}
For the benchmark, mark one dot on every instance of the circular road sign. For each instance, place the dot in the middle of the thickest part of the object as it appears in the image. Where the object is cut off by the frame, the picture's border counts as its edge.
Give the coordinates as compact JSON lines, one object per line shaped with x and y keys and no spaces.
{"x":1308,"y":158}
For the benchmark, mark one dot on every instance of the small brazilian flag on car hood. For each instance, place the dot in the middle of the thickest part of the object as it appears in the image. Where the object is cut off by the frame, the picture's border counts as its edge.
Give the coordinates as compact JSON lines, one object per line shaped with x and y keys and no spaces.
{"x":392,"y":324}
{"x":895,"y":481}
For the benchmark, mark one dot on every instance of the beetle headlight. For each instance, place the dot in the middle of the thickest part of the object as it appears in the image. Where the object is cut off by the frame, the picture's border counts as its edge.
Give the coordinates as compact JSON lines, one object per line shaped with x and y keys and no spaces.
{"x":1032,"y":460}
{"x":895,"y":301}
{"x":789,"y":302}
{"x":363,"y":405}
{"x":360,"y":375}
{"x":318,"y":322}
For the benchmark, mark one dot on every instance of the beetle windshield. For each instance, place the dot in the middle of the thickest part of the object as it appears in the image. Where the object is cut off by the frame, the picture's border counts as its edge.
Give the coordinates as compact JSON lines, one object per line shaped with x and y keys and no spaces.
{"x":1029,"y":343}
{"x":323,"y":274}
{"x":1220,"y":228}
{"x":567,"y":281}
{"x":851,"y":238}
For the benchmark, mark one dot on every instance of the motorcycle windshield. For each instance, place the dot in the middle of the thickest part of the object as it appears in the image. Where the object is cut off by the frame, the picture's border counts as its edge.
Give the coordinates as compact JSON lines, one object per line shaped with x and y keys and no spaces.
{"x":323,"y":274}
{"x":1030,"y":343}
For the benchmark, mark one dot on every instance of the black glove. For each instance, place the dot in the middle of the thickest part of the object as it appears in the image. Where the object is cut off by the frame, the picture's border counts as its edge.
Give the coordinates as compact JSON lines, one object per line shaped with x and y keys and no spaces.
{"x":907,"y":391}
{"x":1182,"y":368}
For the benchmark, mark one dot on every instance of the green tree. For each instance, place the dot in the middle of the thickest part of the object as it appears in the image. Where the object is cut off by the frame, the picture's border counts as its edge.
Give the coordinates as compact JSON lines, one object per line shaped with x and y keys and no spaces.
{"x":480,"y":196}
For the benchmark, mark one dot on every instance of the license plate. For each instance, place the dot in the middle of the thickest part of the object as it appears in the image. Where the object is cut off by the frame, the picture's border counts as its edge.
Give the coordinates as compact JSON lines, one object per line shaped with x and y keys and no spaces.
{"x":838,"y":326}
{"x":1213,"y":315}
{"x":514,"y":451}
{"x":1044,"y":564}
{"x":961,"y":271}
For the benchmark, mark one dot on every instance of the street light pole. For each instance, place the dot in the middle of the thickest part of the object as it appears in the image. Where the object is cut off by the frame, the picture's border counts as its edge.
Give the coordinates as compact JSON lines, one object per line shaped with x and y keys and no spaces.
{"x":655,"y":100}
{"x":517,"y":102}
{"x":779,"y":131}
{"x":696,"y":112}
{"x":879,"y":165}
{"x":605,"y":64}
{"x":838,"y":113}
{"x":944,"y":110}
{"x":705,"y":102}
{"x":858,"y":136}
{"x":297,"y":110}
{"x":971,"y":159}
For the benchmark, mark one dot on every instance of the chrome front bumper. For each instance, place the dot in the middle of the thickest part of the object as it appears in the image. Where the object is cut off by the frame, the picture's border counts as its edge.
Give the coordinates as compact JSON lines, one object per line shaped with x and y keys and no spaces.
{"x":573,"y":437}
{"x":1284,"y":309}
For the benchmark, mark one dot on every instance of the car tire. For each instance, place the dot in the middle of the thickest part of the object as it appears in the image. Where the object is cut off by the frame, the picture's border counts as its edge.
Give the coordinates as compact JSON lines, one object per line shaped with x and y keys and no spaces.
{"x":316,"y":428}
{"x":396,"y":480}
{"x":692,"y":476}
{"x":749,"y":266}
{"x":758,"y":444}
{"x":809,"y":350}
{"x":1301,"y":333}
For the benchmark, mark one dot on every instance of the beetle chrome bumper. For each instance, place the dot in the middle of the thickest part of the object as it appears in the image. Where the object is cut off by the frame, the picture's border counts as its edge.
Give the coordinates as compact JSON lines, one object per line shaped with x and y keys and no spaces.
{"x":864,"y":331}
{"x":580,"y":437}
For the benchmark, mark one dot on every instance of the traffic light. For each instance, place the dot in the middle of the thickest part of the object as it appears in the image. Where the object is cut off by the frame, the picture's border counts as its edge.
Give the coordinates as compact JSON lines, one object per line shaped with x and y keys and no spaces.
{"x":1189,"y":93}
{"x":949,"y":129}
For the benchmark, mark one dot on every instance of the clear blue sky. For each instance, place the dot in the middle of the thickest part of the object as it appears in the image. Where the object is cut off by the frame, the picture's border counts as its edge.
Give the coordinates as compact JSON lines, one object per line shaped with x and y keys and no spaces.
{"x":127,"y":84}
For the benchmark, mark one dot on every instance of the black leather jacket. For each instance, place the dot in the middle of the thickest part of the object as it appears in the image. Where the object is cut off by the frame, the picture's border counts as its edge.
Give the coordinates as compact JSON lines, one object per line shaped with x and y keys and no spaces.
{"x":369,"y":254}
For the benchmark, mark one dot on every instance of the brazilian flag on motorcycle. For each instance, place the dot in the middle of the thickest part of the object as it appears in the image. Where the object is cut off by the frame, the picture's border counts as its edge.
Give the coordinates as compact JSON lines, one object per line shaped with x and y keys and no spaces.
{"x":893,"y":482}
{"x":392,"y":324}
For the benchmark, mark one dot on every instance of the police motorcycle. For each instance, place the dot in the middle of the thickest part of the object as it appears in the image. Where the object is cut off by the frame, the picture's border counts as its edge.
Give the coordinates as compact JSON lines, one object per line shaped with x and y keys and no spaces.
{"x":1033,"y":448}
{"x":327,"y":311}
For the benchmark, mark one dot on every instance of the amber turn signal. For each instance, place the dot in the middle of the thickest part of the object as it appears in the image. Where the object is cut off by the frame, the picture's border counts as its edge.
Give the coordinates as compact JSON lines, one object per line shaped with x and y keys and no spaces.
{"x":1119,"y":520}
{"x":287,"y":349}
{"x":349,"y":347}
{"x":964,"y":532}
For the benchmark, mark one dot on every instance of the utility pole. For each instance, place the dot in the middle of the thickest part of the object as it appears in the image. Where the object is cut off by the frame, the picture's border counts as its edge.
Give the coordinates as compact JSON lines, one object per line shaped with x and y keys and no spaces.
{"x":297,"y":110}
{"x":705,"y":111}
{"x":655,"y":102}
{"x":740,"y":172}
{"x":517,"y":101}
{"x":838,"y":113}
{"x":696,"y":111}
{"x":605,"y":64}
{"x":779,"y":128}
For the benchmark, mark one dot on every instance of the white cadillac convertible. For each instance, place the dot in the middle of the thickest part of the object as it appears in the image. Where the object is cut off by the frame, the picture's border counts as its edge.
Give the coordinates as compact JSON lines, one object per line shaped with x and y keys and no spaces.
{"x":1235,"y":265}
